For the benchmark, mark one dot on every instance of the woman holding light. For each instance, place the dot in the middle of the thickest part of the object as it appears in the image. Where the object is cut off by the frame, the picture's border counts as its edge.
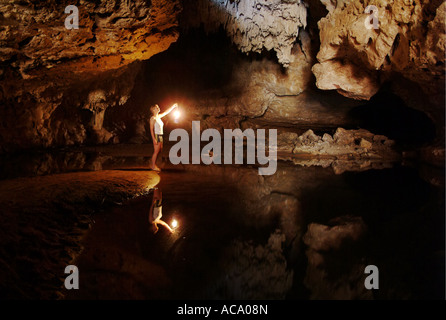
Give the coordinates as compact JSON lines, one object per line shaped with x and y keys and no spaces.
{"x":156,"y":130}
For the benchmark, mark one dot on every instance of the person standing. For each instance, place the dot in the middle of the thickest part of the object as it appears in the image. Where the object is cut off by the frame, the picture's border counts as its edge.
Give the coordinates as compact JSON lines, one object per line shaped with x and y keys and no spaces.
{"x":156,"y":130}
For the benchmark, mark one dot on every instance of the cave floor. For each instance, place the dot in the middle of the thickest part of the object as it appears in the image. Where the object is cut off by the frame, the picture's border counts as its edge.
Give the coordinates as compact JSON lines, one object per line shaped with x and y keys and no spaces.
{"x":306,"y":232}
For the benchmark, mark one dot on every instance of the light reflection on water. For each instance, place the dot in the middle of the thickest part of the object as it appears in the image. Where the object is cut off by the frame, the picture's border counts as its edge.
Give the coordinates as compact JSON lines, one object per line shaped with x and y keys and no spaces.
{"x":304,"y":233}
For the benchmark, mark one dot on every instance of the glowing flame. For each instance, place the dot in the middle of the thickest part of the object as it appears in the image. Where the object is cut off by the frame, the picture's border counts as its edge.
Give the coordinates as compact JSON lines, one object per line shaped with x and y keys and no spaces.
{"x":174,"y":223}
{"x":176,"y":114}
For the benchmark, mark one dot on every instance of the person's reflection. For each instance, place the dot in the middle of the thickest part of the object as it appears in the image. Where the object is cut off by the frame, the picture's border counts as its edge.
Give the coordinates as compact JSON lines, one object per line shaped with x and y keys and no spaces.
{"x":155,"y":213}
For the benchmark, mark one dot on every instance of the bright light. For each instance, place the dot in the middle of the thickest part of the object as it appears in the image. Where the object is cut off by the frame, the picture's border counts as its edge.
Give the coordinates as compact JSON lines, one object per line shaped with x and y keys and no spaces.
{"x":176,"y":114}
{"x":174,"y":223}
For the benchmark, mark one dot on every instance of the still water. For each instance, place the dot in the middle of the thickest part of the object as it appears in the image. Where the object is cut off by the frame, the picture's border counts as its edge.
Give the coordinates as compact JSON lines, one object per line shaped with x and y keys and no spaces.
{"x":303,"y":233}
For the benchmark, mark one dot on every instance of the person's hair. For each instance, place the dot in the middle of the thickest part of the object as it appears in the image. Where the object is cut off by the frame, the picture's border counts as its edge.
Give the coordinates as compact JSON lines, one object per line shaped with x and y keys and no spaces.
{"x":153,"y":108}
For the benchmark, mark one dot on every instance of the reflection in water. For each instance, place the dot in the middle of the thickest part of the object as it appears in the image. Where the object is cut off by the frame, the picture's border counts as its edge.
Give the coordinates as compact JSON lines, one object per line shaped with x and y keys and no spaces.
{"x":303,"y":233}
{"x":156,"y":214}
{"x":306,"y":232}
{"x":221,"y":254}
{"x":252,"y":270}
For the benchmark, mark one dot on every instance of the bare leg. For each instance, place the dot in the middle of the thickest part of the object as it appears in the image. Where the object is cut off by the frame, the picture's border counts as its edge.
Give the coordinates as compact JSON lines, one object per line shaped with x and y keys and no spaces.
{"x":156,"y":150}
{"x":160,"y":148}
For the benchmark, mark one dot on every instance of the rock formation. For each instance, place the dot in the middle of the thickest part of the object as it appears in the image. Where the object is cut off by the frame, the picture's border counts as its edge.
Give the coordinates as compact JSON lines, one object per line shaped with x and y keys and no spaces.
{"x":287,"y":64}
{"x":409,"y":39}
{"x":110,"y":34}
{"x":253,"y":25}
{"x":49,"y":74}
{"x":328,"y":280}
{"x":352,"y":143}
{"x":306,"y":66}
{"x":254,"y":271}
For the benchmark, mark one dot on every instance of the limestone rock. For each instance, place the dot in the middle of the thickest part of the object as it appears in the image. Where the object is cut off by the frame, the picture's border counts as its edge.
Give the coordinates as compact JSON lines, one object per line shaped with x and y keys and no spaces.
{"x":409,"y":39}
{"x":344,"y":145}
{"x":258,"y":269}
{"x":324,"y":238}
{"x":365,"y":144}
{"x":286,"y":141}
{"x":261,"y":93}
{"x":345,"y":280}
{"x":343,"y":136}
{"x":56,"y":84}
{"x":308,"y":137}
{"x":327,"y":138}
{"x":253,"y":25}
{"x":111,"y":34}
{"x":348,"y":79}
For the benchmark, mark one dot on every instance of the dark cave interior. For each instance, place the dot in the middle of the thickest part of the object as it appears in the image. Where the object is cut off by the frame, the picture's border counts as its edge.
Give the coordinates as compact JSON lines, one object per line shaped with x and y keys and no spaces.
{"x":358,"y":150}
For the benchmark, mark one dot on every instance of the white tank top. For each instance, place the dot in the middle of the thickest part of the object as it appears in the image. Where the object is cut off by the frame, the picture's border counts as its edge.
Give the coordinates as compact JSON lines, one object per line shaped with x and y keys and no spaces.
{"x":158,"y":126}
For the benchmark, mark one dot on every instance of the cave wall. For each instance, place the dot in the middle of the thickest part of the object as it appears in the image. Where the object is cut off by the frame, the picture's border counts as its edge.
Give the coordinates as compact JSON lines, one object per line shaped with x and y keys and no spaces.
{"x":56,"y":83}
{"x":406,"y":51}
{"x":252,"y":25}
{"x":224,"y":72}
{"x":49,"y":114}
{"x":409,"y":40}
{"x":291,"y":64}
{"x":215,"y":83}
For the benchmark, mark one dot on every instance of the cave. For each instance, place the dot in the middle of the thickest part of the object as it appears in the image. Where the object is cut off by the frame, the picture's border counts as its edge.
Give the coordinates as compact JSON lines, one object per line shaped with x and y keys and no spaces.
{"x":349,"y":116}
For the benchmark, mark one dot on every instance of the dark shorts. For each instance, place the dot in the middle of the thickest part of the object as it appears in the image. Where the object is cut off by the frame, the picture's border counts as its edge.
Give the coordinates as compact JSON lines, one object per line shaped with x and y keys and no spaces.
{"x":159,"y":137}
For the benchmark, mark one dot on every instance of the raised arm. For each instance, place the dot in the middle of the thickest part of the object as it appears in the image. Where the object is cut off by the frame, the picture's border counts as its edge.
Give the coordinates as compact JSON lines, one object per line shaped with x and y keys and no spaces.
{"x":168,"y":110}
{"x":166,"y":225}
